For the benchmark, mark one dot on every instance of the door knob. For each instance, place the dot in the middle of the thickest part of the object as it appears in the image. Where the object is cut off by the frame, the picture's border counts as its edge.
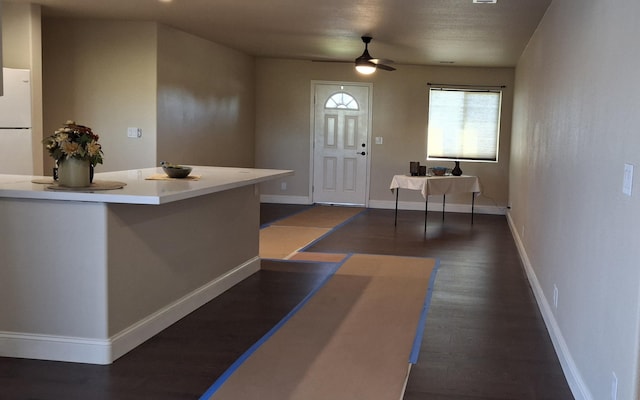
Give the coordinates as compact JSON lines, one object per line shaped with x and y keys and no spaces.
{"x":363,"y":153}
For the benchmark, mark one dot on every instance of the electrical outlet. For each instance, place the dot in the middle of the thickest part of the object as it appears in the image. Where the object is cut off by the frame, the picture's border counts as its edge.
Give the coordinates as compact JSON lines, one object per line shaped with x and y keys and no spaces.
{"x":555,"y":296}
{"x":283,"y":186}
{"x":614,"y":386}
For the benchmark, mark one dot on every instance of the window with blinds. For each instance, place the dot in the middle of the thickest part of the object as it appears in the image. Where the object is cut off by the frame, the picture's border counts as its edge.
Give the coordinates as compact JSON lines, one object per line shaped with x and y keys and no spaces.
{"x":464,"y":124}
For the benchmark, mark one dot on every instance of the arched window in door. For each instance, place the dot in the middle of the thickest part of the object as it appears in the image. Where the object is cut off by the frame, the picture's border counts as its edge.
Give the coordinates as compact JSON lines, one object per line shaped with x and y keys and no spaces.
{"x":342,"y":100}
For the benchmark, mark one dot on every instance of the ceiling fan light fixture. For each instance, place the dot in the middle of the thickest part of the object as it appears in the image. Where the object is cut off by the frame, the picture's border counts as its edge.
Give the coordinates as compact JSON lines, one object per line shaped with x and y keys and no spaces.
{"x":365,"y":67}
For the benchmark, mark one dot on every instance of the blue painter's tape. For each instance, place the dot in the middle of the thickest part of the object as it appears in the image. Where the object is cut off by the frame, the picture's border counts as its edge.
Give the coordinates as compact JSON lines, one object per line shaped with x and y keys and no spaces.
{"x":223,"y":378}
{"x":268,"y":224}
{"x":417,"y":341}
{"x":335,"y":228}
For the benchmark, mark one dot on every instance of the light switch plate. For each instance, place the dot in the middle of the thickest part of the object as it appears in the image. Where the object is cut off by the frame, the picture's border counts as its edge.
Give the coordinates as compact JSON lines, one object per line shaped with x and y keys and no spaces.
{"x":627,"y":183}
{"x":134,"y":132}
{"x":378,"y":139}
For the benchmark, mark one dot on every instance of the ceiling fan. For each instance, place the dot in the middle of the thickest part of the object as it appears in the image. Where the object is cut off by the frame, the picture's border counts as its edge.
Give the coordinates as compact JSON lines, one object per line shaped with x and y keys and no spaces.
{"x":365,"y":64}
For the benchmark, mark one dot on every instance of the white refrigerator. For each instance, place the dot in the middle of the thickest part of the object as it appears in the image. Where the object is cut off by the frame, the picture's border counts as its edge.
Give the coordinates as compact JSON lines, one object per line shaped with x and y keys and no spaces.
{"x":16,"y":137}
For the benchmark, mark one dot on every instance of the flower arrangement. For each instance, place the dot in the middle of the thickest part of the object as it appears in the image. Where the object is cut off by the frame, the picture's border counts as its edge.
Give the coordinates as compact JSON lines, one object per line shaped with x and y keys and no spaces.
{"x":74,"y":141}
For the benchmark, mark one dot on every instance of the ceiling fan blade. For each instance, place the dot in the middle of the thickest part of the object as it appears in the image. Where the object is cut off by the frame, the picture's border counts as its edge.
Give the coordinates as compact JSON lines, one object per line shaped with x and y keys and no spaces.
{"x":385,"y":67}
{"x":365,"y":57}
{"x":381,"y":61}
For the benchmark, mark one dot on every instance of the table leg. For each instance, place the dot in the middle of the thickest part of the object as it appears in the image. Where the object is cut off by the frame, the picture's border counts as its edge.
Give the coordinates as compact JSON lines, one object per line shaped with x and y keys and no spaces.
{"x":473,"y":201}
{"x":426,"y":208}
{"x":444,"y":200}
{"x":395,"y":221}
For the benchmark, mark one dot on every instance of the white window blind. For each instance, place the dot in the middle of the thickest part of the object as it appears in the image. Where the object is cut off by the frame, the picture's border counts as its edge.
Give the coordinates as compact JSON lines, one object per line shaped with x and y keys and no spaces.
{"x":463,"y":124}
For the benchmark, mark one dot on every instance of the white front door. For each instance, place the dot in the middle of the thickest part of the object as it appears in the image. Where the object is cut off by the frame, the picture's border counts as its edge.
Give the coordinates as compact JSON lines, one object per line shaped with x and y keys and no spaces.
{"x":341,"y":143}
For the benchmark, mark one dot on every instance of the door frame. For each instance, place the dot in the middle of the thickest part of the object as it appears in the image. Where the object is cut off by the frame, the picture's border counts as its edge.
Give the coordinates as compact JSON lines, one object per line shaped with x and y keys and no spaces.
{"x":312,"y":106}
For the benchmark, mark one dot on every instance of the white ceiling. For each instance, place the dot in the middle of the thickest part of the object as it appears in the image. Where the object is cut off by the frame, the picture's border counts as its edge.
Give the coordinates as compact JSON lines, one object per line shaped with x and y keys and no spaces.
{"x":423,"y":32}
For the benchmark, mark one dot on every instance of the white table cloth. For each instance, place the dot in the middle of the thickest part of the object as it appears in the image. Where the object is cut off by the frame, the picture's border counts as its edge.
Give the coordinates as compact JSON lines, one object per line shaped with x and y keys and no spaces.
{"x":436,"y":185}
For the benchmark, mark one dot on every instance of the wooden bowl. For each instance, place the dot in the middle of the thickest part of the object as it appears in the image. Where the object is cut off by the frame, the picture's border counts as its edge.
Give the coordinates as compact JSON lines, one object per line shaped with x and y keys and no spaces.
{"x":176,"y":171}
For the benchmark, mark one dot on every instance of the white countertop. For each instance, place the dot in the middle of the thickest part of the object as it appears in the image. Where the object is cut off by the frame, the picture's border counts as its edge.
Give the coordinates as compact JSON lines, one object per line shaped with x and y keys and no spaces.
{"x":140,"y":190}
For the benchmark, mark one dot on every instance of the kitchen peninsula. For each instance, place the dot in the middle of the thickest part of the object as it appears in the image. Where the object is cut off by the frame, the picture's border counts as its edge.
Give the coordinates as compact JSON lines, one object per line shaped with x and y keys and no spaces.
{"x":88,"y":276}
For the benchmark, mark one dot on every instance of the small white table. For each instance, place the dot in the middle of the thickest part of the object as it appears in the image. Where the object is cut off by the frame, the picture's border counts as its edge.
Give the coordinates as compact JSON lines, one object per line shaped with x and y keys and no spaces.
{"x":436,"y":185}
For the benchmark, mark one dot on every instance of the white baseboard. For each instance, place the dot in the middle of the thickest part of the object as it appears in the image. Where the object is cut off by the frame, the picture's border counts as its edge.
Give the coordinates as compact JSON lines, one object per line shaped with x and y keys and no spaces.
{"x":136,"y":334}
{"x":391,"y":204}
{"x":577,"y":385}
{"x":433,"y":206}
{"x":105,"y":351}
{"x":55,"y":348}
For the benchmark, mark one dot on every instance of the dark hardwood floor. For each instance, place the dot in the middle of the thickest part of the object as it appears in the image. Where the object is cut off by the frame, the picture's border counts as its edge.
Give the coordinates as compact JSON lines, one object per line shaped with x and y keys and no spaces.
{"x":484,"y":339}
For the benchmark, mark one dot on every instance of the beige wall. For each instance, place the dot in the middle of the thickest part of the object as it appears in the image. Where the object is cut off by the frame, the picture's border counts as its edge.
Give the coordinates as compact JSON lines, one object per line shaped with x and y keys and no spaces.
{"x":575,"y":126}
{"x":206,"y":104}
{"x":16,"y":35}
{"x":400,"y":104}
{"x":103,"y":74}
{"x":193,"y":99}
{"x":22,"y":48}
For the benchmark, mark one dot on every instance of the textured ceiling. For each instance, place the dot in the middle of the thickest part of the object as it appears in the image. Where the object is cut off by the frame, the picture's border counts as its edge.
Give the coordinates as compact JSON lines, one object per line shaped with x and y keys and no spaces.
{"x":423,"y":32}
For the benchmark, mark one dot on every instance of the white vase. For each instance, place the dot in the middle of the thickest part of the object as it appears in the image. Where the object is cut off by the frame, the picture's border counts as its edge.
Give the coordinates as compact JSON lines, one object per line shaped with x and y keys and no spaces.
{"x":73,"y":173}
